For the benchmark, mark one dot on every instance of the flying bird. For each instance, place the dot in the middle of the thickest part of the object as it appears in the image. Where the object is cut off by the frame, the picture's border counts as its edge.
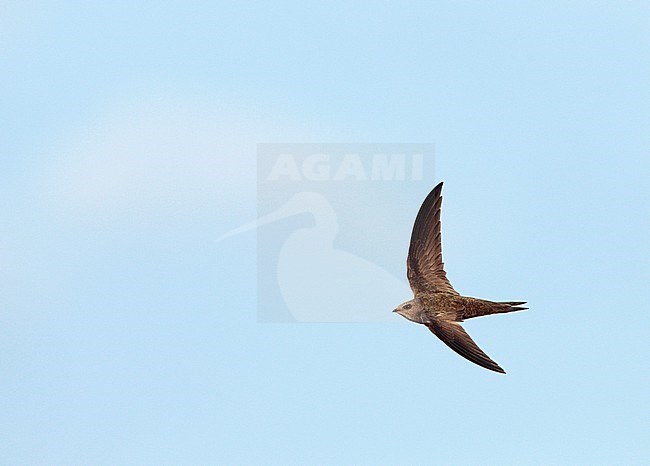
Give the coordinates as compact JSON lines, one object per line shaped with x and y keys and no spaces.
{"x":436,"y":304}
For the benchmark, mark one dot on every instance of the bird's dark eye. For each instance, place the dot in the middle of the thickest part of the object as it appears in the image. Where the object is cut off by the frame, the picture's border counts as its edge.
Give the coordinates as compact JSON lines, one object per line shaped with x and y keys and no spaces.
{"x":408,"y":306}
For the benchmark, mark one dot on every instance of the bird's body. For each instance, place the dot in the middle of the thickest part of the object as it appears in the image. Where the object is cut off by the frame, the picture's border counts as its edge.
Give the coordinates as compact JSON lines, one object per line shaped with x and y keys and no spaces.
{"x":457,"y":308}
{"x":436,"y":304}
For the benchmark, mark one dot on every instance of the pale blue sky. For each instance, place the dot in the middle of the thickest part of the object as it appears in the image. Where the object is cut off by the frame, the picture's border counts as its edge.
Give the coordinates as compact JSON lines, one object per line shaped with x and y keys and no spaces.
{"x":128,"y":334}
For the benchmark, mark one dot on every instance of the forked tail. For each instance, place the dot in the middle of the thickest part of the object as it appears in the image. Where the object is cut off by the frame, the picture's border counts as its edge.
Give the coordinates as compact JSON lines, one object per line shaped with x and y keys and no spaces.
{"x":480,"y":307}
{"x":511,"y":306}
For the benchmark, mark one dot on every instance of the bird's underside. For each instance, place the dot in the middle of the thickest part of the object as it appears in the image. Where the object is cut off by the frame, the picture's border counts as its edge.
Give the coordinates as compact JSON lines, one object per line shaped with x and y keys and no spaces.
{"x":444,"y":317}
{"x":437,"y":305}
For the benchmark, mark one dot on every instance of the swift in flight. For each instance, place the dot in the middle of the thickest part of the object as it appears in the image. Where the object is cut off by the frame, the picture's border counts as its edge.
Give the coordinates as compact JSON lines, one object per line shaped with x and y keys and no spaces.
{"x":436,"y":304}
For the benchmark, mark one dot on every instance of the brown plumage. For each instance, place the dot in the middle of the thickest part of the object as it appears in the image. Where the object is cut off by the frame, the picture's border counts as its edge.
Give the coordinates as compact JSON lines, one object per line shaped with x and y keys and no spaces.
{"x":437,"y":305}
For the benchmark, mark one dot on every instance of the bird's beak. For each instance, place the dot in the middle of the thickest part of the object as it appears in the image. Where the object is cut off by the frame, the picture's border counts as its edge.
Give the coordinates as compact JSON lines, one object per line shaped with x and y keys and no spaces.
{"x":394,"y":310}
{"x":279,"y":214}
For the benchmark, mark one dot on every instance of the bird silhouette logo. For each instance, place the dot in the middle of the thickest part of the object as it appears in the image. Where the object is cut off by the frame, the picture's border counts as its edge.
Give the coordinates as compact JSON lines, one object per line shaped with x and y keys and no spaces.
{"x":318,"y":281}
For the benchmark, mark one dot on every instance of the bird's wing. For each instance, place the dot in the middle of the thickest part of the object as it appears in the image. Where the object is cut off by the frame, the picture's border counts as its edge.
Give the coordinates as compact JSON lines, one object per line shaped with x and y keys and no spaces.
{"x":454,"y":336}
{"x":425,"y":268}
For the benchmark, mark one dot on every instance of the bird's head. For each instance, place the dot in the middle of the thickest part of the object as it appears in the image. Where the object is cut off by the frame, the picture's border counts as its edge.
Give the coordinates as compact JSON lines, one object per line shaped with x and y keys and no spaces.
{"x":410,"y":310}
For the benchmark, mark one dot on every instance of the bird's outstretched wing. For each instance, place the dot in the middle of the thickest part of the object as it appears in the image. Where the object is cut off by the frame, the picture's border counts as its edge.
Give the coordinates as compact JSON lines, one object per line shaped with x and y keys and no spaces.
{"x":454,"y":336}
{"x":425,"y":268}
